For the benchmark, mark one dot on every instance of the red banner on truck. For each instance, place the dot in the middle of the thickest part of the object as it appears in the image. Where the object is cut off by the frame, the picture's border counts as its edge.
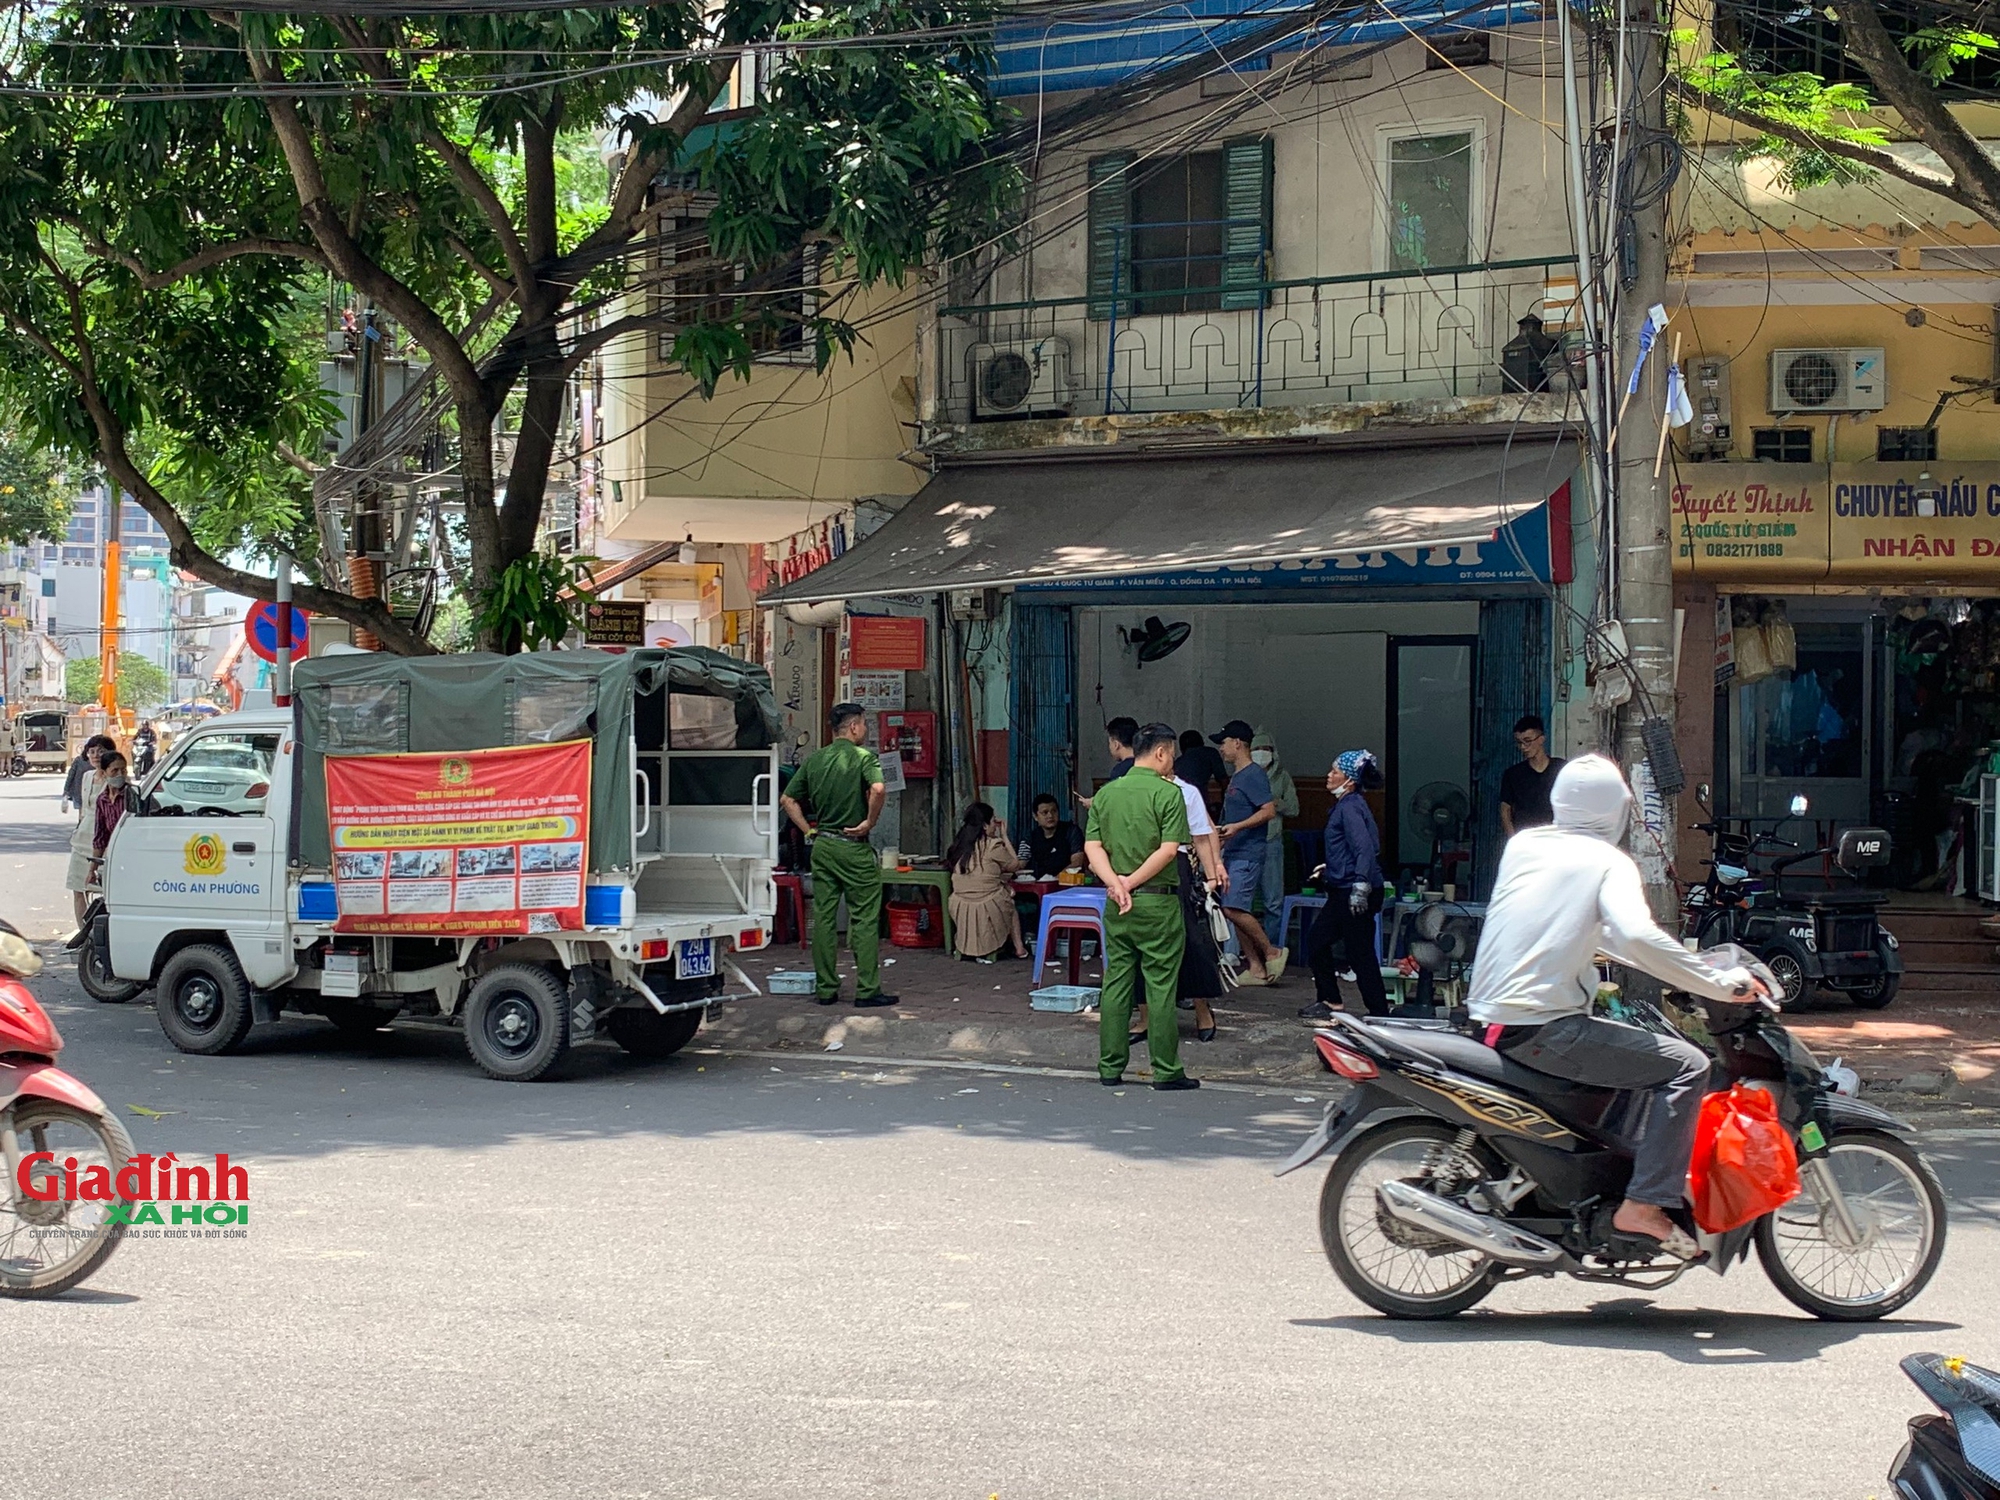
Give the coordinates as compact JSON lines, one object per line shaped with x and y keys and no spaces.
{"x":481,"y":841}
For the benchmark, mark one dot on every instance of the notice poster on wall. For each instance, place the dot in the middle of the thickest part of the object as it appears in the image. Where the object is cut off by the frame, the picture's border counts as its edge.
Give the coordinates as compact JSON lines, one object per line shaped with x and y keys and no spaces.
{"x":487,"y":841}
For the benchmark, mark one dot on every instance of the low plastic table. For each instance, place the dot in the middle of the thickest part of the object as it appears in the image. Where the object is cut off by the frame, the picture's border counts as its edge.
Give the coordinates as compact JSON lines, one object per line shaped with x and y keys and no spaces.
{"x":935,"y":880}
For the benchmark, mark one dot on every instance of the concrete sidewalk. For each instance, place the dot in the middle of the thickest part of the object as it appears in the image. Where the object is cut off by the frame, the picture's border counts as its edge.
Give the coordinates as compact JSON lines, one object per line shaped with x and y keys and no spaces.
{"x":1937,"y":1046}
{"x":969,"y":1012}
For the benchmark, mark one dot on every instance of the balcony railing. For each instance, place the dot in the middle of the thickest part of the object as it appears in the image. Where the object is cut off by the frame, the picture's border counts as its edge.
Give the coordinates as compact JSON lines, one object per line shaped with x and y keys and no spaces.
{"x":1381,"y":336}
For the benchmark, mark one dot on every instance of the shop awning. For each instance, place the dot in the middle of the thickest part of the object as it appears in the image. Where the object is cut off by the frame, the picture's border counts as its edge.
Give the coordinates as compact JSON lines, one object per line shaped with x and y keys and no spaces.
{"x":1046,"y":520}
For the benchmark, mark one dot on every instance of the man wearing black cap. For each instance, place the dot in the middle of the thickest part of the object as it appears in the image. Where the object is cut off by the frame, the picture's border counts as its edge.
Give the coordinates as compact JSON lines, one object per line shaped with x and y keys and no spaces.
{"x":843,"y":782}
{"x":1246,"y":807}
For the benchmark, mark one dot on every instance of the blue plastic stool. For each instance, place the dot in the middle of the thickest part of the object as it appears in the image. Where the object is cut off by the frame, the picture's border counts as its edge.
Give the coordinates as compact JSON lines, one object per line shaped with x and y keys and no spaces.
{"x":1075,"y":908}
{"x":1293,"y":905}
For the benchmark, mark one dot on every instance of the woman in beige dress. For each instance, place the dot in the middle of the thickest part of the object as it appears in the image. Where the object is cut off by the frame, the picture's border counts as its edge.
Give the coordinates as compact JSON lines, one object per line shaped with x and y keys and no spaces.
{"x":983,"y":916}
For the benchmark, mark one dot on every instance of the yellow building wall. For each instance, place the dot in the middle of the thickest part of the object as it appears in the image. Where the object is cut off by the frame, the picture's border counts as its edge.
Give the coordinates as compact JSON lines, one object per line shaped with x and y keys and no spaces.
{"x":1955,"y":339}
{"x":766,"y":457}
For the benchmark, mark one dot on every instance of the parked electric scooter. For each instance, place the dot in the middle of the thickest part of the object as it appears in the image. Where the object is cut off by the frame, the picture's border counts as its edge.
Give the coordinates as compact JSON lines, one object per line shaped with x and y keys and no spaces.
{"x":1828,"y":937}
{"x":1955,"y":1456}
{"x":50,"y":1127}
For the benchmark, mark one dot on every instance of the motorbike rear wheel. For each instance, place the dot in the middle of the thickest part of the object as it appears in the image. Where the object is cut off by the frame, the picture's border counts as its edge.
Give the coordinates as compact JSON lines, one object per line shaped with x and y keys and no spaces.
{"x":1388,"y":1264}
{"x":1898,"y":1206}
{"x":47,"y":1248}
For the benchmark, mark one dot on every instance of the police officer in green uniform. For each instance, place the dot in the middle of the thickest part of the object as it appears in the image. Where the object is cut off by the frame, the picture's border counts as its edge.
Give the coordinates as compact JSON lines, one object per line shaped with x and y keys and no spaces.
{"x":843,"y":783}
{"x":1137,"y":824}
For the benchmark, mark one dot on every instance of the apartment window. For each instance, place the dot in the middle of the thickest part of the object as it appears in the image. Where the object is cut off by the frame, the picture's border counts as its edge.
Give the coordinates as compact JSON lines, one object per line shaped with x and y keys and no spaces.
{"x":1906,"y":445}
{"x":1467,"y":49}
{"x":1782,"y":445}
{"x":711,"y":290}
{"x":1430,"y":201}
{"x":1189,"y":234}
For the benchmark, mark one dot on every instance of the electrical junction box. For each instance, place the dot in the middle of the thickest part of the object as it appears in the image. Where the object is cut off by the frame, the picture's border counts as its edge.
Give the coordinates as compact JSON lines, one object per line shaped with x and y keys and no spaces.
{"x":1708,"y":393}
{"x":975,"y":604}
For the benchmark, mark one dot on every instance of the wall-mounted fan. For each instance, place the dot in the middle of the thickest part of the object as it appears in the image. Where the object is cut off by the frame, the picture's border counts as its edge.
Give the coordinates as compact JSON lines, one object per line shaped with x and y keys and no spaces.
{"x":1156,"y":640}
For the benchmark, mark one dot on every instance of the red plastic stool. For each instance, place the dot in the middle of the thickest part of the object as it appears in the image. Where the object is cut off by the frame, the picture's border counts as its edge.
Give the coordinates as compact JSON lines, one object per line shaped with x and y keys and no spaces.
{"x":791,"y":904}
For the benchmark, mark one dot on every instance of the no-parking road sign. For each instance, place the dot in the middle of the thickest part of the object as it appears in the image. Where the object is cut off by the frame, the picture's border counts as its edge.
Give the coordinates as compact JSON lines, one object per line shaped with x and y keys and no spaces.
{"x":260,"y":630}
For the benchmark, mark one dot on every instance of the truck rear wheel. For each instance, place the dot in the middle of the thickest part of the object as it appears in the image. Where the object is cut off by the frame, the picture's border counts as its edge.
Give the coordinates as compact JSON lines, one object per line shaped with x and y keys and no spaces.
{"x":93,"y":970}
{"x":646,"y":1033}
{"x":517,"y":1022}
{"x":203,"y":1000}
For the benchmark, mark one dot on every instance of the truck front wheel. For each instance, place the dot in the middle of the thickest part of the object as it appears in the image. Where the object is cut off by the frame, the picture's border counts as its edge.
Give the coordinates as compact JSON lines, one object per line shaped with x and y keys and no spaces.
{"x":646,"y":1033}
{"x":203,"y":1000}
{"x":517,"y":1022}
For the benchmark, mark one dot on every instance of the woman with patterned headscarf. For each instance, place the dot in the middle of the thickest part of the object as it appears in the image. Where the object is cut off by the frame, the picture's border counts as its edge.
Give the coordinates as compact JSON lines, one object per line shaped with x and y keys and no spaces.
{"x":1344,"y":933}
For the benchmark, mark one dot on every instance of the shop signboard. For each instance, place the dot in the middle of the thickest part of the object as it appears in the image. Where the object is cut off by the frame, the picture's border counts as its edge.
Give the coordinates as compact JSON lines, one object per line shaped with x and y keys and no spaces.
{"x":1759,"y":522}
{"x":1519,"y":552}
{"x":1865,"y":524}
{"x":1725,"y":640}
{"x":614,"y":622}
{"x":482,"y":841}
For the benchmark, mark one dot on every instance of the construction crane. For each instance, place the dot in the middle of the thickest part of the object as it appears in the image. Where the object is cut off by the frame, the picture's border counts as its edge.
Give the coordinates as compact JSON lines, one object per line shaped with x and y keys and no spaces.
{"x":107,"y":655}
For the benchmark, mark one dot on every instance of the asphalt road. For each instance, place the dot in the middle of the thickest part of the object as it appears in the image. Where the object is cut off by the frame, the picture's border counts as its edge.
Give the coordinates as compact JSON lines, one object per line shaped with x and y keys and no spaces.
{"x":739,"y":1277}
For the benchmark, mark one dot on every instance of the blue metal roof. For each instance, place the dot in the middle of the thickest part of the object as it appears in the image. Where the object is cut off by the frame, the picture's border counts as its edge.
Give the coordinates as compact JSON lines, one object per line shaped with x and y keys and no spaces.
{"x":1096,"y":52}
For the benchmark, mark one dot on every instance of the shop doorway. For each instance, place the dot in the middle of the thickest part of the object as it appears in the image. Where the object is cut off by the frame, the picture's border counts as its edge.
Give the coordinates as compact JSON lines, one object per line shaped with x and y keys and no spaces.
{"x":1809,"y":732}
{"x":1430,"y":804}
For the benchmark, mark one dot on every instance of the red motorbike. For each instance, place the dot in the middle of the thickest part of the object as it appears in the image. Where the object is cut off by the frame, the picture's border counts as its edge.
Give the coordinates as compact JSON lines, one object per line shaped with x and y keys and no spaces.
{"x":58,"y":1141}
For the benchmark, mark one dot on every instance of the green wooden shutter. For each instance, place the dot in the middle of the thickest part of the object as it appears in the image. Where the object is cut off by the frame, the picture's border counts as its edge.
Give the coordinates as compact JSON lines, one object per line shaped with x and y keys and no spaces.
{"x":1246,"y":238}
{"x":1110,"y":232}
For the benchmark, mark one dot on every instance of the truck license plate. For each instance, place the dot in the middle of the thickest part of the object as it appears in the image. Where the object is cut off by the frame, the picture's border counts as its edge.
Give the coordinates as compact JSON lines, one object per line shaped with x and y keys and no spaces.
{"x":695,"y":959}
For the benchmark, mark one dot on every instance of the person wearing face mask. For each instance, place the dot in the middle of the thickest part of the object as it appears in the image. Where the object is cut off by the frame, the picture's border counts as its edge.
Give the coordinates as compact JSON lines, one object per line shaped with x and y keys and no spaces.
{"x":1344,"y":931}
{"x":1284,"y":797}
{"x":115,"y":798}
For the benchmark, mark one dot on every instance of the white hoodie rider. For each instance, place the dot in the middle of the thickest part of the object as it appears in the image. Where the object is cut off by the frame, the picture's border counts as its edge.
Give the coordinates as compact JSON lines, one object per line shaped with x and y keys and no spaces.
{"x":1564,"y":894}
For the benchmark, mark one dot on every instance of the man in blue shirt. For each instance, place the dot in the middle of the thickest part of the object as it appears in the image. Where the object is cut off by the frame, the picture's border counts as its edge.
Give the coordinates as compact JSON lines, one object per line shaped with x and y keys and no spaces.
{"x":1246,"y":807}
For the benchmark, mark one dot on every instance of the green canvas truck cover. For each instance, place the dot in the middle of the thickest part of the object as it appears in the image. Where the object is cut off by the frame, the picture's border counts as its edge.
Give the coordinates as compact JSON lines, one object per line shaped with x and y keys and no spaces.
{"x":371,"y":703}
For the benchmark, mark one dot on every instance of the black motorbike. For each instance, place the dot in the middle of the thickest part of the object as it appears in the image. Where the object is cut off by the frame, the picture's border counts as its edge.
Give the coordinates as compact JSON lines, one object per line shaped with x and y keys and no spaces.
{"x":1954,"y":1455}
{"x":1831,"y":937}
{"x":1456,"y":1169}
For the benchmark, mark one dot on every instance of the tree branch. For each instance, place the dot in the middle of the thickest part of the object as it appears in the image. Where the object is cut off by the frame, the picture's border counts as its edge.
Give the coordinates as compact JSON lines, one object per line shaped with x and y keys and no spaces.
{"x":182,"y":549}
{"x":201,"y":260}
{"x":628,"y":199}
{"x":344,"y":256}
{"x":1973,"y":172}
{"x":500,"y":285}
{"x":1887,"y":164}
{"x":374,"y":58}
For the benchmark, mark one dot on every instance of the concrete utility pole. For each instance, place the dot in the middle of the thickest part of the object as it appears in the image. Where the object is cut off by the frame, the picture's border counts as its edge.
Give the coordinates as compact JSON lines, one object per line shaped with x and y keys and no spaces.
{"x":1645,"y":588}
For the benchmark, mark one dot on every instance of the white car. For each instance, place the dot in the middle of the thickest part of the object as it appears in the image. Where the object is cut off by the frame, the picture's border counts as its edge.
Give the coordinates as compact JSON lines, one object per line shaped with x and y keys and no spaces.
{"x":226,"y":773}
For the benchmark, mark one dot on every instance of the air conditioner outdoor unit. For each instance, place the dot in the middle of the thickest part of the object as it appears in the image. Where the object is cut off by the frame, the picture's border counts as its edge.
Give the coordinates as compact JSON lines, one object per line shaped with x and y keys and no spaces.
{"x":1828,"y":380}
{"x":1021,"y":380}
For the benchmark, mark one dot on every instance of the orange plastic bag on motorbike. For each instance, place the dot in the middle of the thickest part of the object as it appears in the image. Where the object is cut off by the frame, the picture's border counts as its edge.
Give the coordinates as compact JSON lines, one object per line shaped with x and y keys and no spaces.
{"x":1743,"y":1164}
